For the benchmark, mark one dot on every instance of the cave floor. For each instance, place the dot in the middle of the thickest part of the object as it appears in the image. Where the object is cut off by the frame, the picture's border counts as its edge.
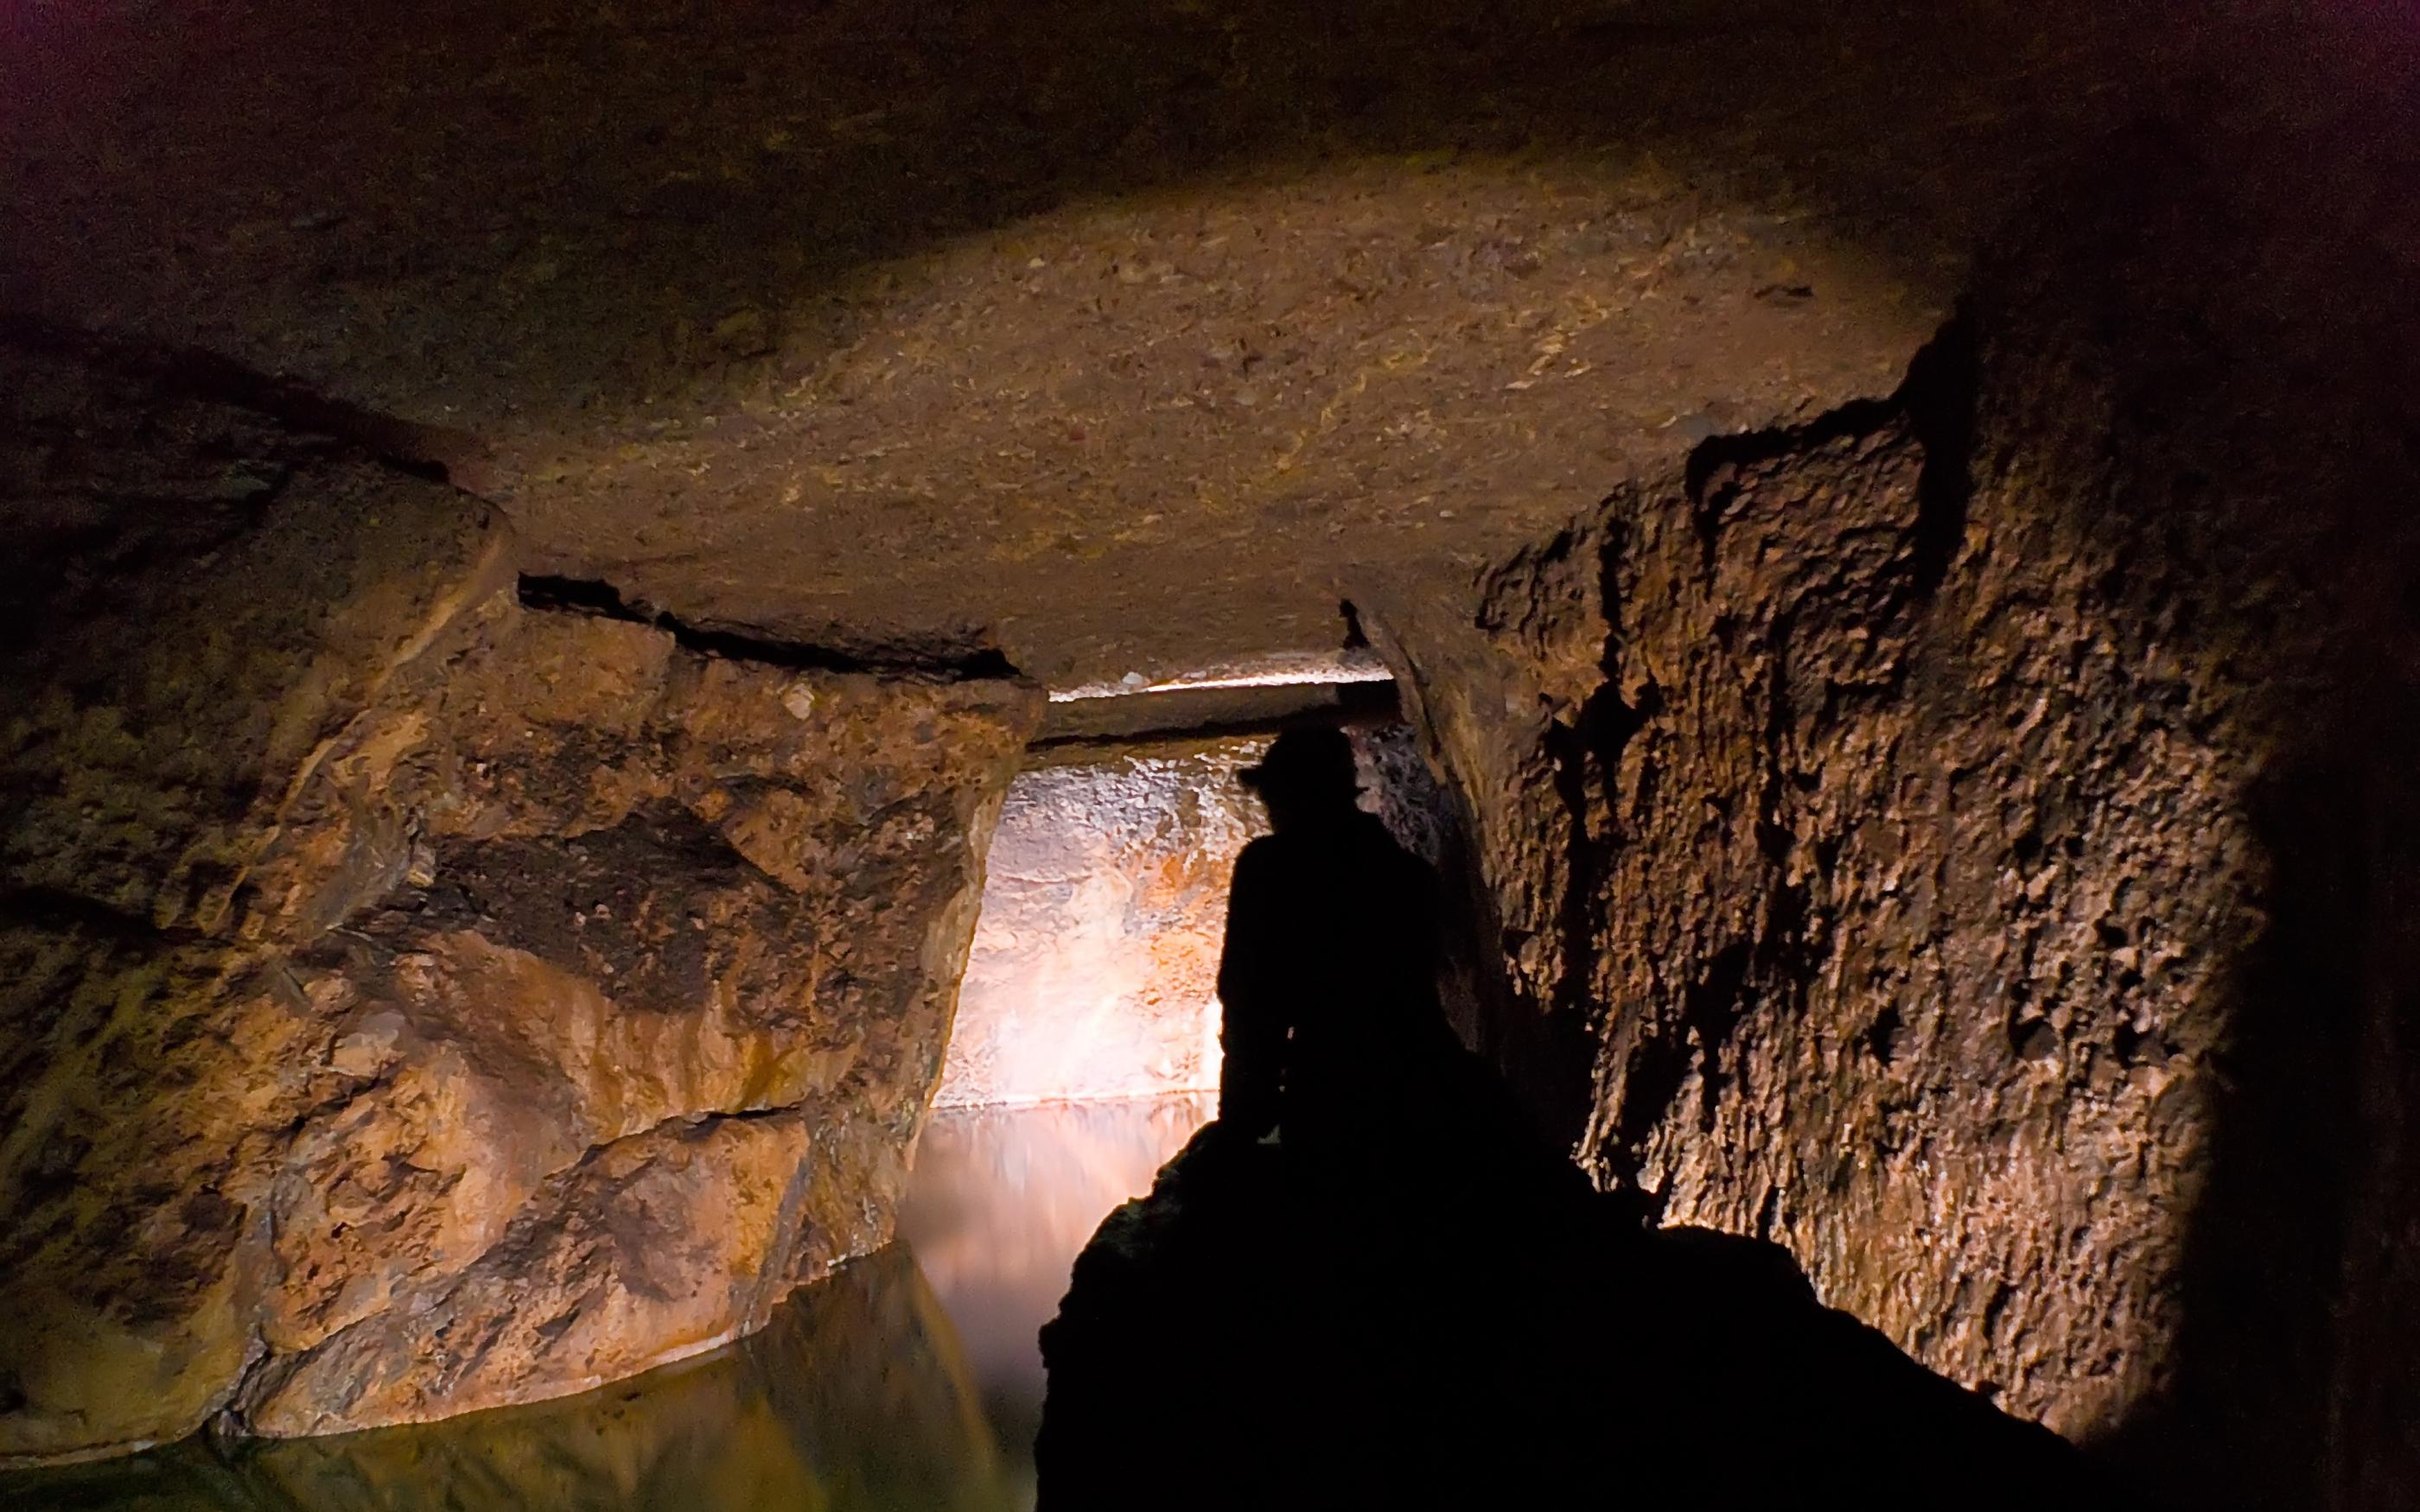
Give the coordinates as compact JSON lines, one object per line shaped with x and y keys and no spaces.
{"x":1440,"y":1314}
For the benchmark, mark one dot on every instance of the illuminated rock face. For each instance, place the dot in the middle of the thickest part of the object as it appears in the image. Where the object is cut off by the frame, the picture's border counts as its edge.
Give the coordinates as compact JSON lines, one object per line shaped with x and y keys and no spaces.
{"x":419,"y":1003}
{"x":1949,"y":828}
{"x":1094,"y":968}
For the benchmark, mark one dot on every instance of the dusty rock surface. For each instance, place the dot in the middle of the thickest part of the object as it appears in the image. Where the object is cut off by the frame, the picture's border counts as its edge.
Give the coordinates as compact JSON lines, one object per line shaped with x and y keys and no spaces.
{"x":1109,"y":334}
{"x":417,"y":1002}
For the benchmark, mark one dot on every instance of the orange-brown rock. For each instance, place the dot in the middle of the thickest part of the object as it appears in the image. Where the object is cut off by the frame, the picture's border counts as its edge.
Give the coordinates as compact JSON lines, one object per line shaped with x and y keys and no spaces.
{"x":1947,"y":832}
{"x":419,"y":1002}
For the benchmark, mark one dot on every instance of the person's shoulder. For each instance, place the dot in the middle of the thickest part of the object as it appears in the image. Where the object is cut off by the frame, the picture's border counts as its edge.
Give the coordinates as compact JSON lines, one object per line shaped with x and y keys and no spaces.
{"x":1406,"y":866}
{"x":1260,"y":854}
{"x":1372,"y":832}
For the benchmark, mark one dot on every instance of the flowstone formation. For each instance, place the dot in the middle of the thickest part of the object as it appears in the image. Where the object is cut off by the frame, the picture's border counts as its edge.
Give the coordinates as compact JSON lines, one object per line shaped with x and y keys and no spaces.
{"x":418,"y":1002}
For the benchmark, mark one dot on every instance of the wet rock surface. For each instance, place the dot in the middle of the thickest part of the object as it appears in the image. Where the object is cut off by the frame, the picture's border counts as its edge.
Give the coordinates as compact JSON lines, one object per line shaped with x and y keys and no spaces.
{"x":416,"y":1002}
{"x":853,"y":1398}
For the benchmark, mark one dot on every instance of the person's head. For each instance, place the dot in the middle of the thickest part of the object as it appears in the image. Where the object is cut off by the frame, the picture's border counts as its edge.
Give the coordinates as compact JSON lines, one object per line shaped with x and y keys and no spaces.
{"x":1306,"y":774}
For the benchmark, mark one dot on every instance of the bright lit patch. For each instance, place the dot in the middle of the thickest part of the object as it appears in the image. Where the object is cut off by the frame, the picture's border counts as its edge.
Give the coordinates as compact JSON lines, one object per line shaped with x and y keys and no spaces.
{"x":1278,"y":669}
{"x":1094,"y":966}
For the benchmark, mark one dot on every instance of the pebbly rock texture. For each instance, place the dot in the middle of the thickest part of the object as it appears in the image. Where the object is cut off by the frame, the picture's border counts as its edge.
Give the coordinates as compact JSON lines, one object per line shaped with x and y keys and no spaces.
{"x":1921,"y":897}
{"x":418,"y":1003}
{"x":1095,"y":968}
{"x":1955,"y":837}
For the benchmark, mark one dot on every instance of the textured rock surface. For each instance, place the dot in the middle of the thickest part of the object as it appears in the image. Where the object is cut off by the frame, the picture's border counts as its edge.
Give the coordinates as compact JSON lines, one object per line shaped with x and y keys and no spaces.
{"x":1113,"y":331}
{"x":1945,"y":820}
{"x":418,"y":1003}
{"x":1095,"y":963}
{"x":1918,"y":906}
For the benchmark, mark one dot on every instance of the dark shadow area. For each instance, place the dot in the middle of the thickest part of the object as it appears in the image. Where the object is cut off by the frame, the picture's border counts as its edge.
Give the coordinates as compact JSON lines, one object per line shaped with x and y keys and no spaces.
{"x":939,"y":662}
{"x":1455,"y":1319}
{"x":1400,"y":1298}
{"x":2240,"y":370}
{"x":2256,"y":1365}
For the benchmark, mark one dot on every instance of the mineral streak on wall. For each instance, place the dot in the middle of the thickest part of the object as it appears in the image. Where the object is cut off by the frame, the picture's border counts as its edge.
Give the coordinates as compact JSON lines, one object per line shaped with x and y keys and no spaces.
{"x":1096,"y":961}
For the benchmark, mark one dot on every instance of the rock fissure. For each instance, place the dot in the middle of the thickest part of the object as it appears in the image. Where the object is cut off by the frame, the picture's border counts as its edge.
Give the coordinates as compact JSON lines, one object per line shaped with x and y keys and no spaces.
{"x":587,"y":596}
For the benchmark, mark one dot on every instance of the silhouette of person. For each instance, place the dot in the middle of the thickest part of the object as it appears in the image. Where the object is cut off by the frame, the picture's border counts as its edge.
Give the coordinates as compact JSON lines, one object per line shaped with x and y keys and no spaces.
{"x":1327,"y":981}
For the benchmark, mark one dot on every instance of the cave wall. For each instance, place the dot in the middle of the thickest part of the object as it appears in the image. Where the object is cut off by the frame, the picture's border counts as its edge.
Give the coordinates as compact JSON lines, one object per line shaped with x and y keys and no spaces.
{"x":1960,"y":839}
{"x":417,"y":1001}
{"x":1921,"y":888}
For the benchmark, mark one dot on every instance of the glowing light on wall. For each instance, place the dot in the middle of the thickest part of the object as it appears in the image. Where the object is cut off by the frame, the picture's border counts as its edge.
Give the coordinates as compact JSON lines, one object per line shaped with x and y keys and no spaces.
{"x":1094,"y":966}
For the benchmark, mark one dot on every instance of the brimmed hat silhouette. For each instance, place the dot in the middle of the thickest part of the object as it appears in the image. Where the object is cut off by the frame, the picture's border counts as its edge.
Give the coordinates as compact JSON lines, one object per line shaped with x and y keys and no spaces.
{"x":1305,"y":764}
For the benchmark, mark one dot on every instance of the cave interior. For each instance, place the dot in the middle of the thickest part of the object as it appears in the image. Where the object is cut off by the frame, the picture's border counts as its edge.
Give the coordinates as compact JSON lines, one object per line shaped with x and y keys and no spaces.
{"x":631,"y":626}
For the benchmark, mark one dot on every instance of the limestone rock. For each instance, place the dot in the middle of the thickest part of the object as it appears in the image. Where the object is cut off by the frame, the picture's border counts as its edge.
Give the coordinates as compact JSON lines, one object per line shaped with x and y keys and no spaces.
{"x":418,"y":1002}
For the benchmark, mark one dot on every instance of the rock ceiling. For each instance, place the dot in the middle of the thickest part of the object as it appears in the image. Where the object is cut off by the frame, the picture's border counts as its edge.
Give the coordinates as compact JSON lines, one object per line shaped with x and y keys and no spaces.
{"x":1122,"y":338}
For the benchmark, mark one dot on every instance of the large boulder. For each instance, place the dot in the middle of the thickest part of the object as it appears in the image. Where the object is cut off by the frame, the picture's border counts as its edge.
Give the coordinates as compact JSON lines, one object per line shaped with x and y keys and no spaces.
{"x":418,"y":1001}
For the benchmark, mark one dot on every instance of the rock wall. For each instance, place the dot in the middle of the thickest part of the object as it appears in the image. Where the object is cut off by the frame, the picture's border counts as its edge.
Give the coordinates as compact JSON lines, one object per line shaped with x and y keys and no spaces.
{"x":1922,"y":889}
{"x":1493,"y":693}
{"x":1955,"y":838}
{"x":417,"y":1002}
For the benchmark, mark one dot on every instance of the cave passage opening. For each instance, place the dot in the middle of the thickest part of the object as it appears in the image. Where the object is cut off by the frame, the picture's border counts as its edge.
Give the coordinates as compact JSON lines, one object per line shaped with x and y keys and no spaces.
{"x":1084,"y":1053}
